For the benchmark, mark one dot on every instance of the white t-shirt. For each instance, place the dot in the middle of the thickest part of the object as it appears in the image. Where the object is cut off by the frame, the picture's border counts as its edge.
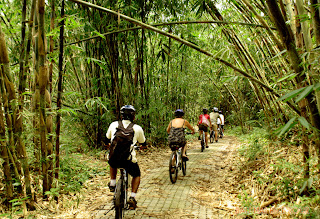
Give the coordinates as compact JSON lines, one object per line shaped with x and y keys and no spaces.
{"x":221,"y":119}
{"x":138,"y":135}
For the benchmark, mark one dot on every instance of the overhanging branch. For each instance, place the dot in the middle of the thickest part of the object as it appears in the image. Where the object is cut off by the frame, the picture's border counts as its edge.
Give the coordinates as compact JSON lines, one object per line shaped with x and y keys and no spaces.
{"x":187,"y":43}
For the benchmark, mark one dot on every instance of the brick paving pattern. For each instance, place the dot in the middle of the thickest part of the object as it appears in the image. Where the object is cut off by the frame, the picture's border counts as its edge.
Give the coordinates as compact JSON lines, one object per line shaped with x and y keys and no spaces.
{"x":159,"y":198}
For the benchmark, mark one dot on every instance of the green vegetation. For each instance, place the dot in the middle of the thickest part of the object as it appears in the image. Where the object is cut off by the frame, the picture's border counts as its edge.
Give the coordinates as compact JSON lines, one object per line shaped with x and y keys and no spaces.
{"x":67,"y":66}
{"x":275,"y":169}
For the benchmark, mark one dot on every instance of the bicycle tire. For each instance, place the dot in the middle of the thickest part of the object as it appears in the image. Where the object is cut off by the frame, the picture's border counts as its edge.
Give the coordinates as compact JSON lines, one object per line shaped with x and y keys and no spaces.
{"x":119,"y":200}
{"x":202,"y":141}
{"x":173,"y":169}
{"x":211,"y":136}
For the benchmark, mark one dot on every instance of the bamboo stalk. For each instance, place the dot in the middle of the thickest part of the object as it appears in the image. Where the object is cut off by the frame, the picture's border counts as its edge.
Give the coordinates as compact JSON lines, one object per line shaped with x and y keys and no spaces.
{"x":186,"y":43}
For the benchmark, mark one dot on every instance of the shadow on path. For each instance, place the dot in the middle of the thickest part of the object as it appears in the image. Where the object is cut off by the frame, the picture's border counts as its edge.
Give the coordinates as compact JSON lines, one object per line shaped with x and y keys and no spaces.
{"x":205,"y":192}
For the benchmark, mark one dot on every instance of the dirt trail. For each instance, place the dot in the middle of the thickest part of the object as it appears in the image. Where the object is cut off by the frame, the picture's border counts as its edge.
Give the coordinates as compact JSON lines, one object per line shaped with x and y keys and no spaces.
{"x":207,"y":191}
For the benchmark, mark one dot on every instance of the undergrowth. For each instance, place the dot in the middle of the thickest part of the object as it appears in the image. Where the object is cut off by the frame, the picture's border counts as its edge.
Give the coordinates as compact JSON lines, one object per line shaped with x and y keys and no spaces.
{"x":271,"y":177}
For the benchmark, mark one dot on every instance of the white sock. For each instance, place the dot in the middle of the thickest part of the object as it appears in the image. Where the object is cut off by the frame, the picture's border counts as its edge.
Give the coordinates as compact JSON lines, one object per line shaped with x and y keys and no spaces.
{"x":113,"y":182}
{"x":133,"y":194}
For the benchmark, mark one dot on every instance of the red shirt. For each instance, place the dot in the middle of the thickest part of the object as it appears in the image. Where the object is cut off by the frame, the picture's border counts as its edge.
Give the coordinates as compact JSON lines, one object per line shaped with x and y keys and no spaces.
{"x":204,"y":118}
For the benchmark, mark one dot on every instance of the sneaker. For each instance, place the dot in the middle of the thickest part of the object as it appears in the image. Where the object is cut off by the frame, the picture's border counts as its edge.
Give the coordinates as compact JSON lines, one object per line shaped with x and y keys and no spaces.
{"x":112,"y":188}
{"x":185,"y":158}
{"x":216,"y":140}
{"x":132,"y":203}
{"x":207,"y":146}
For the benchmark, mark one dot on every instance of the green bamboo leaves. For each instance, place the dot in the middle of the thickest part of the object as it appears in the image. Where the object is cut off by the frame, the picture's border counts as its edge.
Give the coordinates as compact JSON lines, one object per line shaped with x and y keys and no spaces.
{"x":300,"y":93}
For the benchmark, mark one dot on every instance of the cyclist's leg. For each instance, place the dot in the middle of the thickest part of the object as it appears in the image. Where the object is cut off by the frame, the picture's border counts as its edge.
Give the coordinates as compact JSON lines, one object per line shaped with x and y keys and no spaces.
{"x":134,"y":170}
{"x":113,"y":181}
{"x":200,"y":133}
{"x":206,"y":134}
{"x":184,"y":149}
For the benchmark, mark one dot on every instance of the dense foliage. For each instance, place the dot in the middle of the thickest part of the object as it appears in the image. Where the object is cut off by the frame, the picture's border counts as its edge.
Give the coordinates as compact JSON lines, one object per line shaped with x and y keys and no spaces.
{"x":258,"y":61}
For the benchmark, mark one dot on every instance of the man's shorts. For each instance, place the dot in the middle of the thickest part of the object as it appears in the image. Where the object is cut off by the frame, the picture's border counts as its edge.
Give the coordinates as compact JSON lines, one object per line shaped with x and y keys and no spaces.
{"x":215,"y":127}
{"x":203,"y":127}
{"x":132,"y":168}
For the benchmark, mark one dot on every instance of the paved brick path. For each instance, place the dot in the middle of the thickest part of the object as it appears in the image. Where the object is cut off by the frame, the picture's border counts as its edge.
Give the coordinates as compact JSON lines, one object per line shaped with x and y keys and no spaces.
{"x":159,"y":198}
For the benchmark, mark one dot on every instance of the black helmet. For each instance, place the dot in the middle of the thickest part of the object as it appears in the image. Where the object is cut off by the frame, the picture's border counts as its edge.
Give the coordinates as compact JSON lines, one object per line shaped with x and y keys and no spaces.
{"x":215,"y":109}
{"x":220,"y":112}
{"x":205,"y":110}
{"x":128,"y":112}
{"x":178,"y":113}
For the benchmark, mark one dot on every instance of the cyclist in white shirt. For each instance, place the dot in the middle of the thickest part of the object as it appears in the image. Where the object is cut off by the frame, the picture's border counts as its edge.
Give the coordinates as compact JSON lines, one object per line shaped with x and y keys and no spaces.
{"x":221,"y":121}
{"x":214,"y":121}
{"x":127,"y":115}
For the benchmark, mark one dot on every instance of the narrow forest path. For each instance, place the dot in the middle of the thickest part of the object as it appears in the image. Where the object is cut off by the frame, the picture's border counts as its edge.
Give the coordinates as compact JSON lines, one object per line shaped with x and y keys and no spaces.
{"x":207,"y":191}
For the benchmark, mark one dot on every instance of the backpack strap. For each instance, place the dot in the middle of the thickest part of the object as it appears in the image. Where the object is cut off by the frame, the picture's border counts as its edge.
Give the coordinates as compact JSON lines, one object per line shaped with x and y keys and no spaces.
{"x":130,"y":125}
{"x":120,"y":124}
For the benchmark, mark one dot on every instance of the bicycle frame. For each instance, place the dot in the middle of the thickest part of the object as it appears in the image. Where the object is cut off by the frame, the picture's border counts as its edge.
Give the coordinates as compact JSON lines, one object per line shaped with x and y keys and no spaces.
{"x":178,"y":164}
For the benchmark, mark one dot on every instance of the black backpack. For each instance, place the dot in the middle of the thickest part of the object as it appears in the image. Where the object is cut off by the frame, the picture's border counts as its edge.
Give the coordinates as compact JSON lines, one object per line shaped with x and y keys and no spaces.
{"x":176,"y":136}
{"x":120,"y":149}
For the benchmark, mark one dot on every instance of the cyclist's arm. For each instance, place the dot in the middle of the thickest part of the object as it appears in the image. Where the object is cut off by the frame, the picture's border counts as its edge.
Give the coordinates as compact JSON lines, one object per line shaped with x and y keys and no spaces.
{"x":189,"y":126}
{"x":141,"y":139}
{"x":111,"y":130}
{"x":210,"y":123}
{"x":199,"y":120}
{"x":169,"y":127}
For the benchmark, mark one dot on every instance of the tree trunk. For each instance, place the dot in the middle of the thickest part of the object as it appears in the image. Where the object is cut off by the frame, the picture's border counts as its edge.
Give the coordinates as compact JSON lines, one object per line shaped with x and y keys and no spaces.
{"x":60,"y":91}
{"x":9,"y":97}
{"x":7,"y":179}
{"x":297,"y":65}
{"x":43,"y":81}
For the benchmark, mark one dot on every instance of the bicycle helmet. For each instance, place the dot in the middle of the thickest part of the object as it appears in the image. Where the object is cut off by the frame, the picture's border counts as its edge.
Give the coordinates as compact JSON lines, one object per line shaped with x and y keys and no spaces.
{"x":220,"y":112}
{"x":178,"y":113}
{"x":128,"y":112}
{"x":215,"y":109}
{"x":205,"y":110}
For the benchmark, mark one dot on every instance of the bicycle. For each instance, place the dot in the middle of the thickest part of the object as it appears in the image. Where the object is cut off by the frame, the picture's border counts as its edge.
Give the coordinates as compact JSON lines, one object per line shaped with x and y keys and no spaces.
{"x":220,"y":132}
{"x":176,"y":162}
{"x":120,"y":196}
{"x":203,"y":141}
{"x":211,"y":136}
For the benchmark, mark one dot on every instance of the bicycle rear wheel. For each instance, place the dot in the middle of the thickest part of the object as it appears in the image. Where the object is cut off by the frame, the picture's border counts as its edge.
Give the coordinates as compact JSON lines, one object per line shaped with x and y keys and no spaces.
{"x":203,"y":141}
{"x":173,"y":169}
{"x":119,"y":199}
{"x":211,"y":136}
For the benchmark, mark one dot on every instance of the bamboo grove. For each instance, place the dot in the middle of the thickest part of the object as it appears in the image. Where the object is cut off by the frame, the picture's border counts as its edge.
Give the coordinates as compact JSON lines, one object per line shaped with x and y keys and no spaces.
{"x":68,"y":66}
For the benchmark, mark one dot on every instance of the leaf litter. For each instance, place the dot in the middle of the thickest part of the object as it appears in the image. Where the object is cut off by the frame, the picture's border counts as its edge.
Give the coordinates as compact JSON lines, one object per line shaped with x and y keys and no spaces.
{"x":222,"y":178}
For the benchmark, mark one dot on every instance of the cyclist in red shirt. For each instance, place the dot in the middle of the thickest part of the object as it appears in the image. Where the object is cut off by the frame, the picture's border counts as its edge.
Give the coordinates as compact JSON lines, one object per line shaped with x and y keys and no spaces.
{"x":203,"y":124}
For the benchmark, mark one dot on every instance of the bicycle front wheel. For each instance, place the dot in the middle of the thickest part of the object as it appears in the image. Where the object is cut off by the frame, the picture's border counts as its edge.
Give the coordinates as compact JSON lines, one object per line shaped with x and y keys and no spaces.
{"x":119,"y":200}
{"x":173,"y":169}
